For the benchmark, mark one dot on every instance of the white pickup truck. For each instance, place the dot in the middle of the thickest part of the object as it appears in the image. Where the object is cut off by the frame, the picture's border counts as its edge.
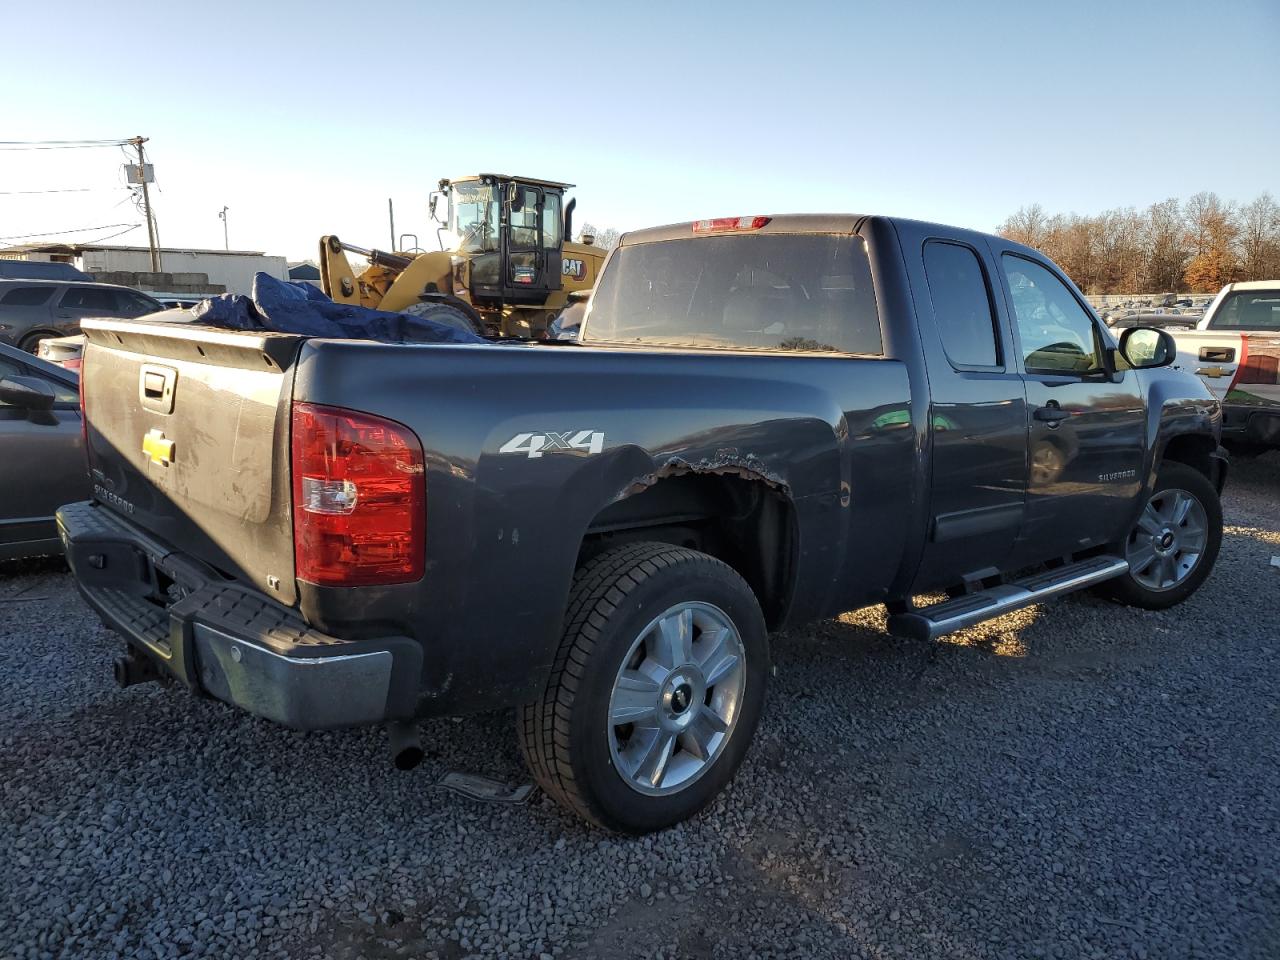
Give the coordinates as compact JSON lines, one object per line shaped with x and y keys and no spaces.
{"x":1235,"y":350}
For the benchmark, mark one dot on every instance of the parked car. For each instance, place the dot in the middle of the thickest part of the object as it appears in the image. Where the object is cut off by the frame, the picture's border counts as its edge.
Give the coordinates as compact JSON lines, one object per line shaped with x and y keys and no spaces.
{"x":31,"y":310}
{"x":66,"y":351}
{"x":43,"y":464}
{"x":63,"y":352}
{"x":767,"y":420}
{"x":1166,"y":320}
{"x":1235,"y":349}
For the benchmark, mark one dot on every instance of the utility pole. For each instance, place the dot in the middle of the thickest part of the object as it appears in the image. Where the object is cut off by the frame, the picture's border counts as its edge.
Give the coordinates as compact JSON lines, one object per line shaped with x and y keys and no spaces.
{"x":146,"y":203}
{"x":222,"y":215}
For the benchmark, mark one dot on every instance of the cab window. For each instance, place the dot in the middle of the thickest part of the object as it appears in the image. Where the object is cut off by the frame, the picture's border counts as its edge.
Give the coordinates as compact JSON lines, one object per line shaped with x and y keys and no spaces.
{"x":961,"y":304}
{"x":777,"y":292}
{"x":524,"y":219}
{"x":1057,"y":335}
{"x":551,"y":222}
{"x":1246,"y":310}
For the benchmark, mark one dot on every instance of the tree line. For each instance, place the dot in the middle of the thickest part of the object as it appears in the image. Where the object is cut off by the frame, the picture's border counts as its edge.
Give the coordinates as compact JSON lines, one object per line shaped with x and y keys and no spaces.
{"x":1196,"y":246}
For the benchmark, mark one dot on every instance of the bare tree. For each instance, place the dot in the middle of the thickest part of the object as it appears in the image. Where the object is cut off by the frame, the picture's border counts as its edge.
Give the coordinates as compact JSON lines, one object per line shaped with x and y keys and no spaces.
{"x":1259,"y":223}
{"x":1026,"y":226}
{"x":606,"y":238}
{"x":1167,"y":253}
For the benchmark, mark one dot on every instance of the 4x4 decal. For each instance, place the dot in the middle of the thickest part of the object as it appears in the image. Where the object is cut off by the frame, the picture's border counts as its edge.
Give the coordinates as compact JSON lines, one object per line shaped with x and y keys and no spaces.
{"x":536,"y":444}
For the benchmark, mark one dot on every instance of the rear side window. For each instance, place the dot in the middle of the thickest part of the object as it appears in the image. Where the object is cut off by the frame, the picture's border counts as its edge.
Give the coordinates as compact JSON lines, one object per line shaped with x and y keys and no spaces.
{"x":789,"y":292}
{"x":135,"y":304}
{"x":1258,"y":310}
{"x":27,"y":296}
{"x":90,"y":298}
{"x":961,"y":304}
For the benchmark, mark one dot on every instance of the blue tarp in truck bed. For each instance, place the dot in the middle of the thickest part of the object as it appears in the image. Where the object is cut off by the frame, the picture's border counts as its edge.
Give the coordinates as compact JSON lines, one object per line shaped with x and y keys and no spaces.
{"x":302,"y":308}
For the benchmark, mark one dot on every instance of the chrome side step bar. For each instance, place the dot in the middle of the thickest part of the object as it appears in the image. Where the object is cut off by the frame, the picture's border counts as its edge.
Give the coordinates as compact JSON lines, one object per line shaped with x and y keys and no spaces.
{"x":929,"y":623}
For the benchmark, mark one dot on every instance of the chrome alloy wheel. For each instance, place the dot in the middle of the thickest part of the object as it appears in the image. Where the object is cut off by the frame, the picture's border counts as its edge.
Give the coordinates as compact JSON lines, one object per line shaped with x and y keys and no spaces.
{"x":676,"y":698}
{"x":1168,"y":541}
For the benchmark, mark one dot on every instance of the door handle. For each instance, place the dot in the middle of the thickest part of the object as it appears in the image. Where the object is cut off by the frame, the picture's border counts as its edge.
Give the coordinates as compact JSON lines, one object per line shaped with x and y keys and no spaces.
{"x":1051,"y":413}
{"x":1217,"y":354}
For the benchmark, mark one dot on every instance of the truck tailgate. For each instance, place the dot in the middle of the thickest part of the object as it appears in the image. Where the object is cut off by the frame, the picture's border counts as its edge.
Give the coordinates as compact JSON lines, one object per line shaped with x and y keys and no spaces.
{"x":1240,"y":362}
{"x":1212,"y":355}
{"x":188,"y":438}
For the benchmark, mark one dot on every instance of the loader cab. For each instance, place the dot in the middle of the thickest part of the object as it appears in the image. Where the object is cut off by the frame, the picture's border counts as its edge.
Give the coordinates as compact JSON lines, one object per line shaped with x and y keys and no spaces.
{"x":509,"y":234}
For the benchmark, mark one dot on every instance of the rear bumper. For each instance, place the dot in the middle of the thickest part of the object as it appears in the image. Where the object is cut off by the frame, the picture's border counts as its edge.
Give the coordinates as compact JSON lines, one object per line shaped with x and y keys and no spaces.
{"x":1250,"y":424}
{"x":231,"y":642}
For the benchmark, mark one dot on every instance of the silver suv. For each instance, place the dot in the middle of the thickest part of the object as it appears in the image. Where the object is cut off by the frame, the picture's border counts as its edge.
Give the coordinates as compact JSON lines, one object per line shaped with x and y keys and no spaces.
{"x":31,"y":310}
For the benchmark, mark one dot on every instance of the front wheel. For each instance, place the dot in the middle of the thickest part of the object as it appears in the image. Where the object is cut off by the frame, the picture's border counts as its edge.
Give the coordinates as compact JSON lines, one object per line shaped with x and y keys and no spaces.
{"x":656,"y":689}
{"x":1173,"y":546}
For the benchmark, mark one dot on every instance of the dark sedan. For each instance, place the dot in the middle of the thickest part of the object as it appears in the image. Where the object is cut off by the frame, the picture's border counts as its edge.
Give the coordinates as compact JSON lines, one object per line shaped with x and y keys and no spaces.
{"x":42,"y":465}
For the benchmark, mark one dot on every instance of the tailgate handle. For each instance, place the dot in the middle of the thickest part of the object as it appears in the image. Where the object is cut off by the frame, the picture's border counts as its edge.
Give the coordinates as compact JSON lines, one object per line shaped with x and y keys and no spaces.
{"x":155,"y":387}
{"x":1217,"y":354}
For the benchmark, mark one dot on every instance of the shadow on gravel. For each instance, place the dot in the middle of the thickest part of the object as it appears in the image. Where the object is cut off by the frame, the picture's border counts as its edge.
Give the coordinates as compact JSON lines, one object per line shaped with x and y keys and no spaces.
{"x":29,"y":567}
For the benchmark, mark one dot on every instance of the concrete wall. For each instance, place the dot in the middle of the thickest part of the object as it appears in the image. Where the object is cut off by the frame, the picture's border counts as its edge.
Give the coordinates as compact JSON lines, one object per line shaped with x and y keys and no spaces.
{"x":233,"y":271}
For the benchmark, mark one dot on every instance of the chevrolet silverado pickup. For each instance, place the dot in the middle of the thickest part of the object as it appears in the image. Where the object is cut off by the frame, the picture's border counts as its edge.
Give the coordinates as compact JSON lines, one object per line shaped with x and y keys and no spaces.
{"x":764,"y":420}
{"x":1235,"y":349}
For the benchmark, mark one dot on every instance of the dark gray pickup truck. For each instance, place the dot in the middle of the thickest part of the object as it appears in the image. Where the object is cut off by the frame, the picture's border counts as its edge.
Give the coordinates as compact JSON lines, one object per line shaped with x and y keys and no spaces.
{"x":767,"y":420}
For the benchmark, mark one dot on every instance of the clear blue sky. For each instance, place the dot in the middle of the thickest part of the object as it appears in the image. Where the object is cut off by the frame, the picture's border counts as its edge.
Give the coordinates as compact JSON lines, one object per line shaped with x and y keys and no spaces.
{"x":304,"y":117}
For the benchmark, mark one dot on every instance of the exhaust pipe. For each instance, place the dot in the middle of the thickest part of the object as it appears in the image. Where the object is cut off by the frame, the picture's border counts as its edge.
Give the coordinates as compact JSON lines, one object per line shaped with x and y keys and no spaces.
{"x":132,"y":668}
{"x":406,"y":746}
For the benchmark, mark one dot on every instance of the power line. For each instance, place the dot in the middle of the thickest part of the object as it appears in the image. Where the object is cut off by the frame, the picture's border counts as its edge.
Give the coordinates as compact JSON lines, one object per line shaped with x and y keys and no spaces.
{"x":57,"y":144}
{"x":12,"y":193}
{"x":54,"y":233}
{"x":118,"y":233}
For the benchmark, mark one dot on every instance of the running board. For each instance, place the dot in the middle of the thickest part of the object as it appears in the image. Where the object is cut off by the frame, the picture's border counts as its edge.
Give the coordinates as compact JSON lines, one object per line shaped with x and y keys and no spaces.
{"x":929,"y":623}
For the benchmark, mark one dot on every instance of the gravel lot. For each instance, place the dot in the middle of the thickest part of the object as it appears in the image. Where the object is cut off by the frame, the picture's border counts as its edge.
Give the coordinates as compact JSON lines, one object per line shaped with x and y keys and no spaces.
{"x":1078,"y":780}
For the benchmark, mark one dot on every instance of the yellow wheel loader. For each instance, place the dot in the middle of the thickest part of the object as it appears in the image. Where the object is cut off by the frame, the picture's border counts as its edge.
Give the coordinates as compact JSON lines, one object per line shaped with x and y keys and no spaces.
{"x":505,"y":269}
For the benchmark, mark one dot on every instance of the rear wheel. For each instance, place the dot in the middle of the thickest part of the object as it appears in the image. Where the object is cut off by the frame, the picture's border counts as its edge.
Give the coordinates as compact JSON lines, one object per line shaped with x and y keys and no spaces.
{"x":31,"y":342}
{"x":1172,"y":548}
{"x":447,"y":314}
{"x":656,"y":689}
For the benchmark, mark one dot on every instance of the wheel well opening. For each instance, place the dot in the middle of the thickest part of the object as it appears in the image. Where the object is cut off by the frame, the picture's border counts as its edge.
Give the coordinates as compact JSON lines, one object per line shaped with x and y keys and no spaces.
{"x":746,"y":523}
{"x":1194,"y":450}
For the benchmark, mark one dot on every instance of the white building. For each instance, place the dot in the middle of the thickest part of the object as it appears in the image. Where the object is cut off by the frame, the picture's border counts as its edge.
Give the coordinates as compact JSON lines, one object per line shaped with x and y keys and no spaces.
{"x":232,"y":269}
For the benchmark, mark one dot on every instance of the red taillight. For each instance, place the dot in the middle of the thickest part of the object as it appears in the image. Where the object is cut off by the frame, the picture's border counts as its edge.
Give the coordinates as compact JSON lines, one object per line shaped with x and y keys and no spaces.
{"x":1241,"y":362}
{"x":359,"y":498}
{"x":722,"y":224}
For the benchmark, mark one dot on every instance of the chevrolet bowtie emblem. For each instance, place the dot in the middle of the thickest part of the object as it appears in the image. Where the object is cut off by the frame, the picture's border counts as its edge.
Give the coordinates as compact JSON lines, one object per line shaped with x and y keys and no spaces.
{"x":155,"y":446}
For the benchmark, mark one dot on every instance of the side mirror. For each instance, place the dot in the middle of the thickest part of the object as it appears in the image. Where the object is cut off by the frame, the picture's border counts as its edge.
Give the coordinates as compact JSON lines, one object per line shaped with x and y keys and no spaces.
{"x":515,"y":196}
{"x":28,"y":393}
{"x":432,"y":202}
{"x":1148,"y":347}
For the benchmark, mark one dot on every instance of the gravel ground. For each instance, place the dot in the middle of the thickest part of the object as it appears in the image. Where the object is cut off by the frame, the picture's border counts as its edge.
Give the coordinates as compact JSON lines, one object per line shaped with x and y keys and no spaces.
{"x":1077,"y":780}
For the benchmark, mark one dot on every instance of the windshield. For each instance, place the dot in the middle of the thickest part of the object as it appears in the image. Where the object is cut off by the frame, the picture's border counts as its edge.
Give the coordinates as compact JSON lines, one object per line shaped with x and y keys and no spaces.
{"x":473,"y":211}
{"x":803,"y":292}
{"x":1252,"y":310}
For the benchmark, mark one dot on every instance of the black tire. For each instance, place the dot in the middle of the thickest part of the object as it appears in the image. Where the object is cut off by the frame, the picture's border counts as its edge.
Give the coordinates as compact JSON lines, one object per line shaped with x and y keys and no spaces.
{"x":447,"y":314}
{"x":1130,"y":591}
{"x":31,"y":342}
{"x":565,"y":735}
